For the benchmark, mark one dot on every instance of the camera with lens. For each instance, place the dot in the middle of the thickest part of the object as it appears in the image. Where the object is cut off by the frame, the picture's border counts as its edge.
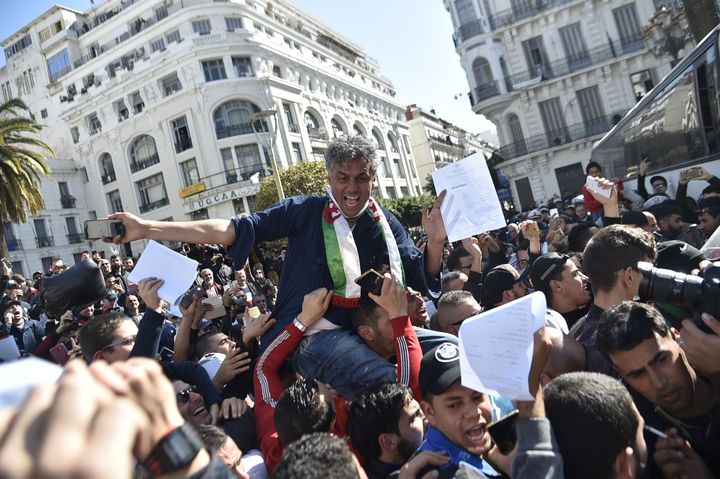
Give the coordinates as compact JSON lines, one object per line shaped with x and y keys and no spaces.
{"x":695,"y":293}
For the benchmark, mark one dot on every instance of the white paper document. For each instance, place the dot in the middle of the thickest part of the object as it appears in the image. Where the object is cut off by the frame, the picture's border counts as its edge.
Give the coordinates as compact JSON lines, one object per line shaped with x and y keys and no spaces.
{"x":20,"y":377}
{"x":8,"y":349}
{"x":176,"y":270}
{"x":496,"y":347}
{"x":471,"y":205}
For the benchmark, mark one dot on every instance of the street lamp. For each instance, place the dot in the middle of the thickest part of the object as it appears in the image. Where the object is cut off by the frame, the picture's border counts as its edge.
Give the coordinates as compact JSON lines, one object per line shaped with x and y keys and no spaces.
{"x":266,"y":134}
{"x":667,"y":33}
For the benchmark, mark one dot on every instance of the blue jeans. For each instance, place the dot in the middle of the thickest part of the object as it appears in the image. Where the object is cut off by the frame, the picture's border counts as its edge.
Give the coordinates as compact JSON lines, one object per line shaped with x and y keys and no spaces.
{"x":340,"y":358}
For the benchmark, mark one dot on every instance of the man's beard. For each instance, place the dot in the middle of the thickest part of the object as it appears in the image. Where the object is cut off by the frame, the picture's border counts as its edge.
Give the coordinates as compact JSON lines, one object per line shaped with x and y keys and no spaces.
{"x":406,"y":449}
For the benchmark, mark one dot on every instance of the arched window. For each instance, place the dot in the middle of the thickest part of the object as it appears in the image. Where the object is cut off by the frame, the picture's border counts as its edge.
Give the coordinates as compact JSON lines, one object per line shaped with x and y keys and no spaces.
{"x":481,"y":71}
{"x":314,"y":126}
{"x":358,"y":129}
{"x":377,"y":136}
{"x":392,"y":142}
{"x":232,"y":118}
{"x":143,"y":153}
{"x":338,"y":128}
{"x":518,"y":139}
{"x":107,"y":170}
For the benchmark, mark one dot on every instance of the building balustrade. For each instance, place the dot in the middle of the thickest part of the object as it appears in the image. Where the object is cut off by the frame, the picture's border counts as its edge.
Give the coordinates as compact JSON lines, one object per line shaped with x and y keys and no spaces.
{"x":154,"y":205}
{"x":146,"y":162}
{"x":13,"y":244}
{"x":67,"y":201}
{"x":108,"y":178}
{"x":75,"y":238}
{"x":44,"y":241}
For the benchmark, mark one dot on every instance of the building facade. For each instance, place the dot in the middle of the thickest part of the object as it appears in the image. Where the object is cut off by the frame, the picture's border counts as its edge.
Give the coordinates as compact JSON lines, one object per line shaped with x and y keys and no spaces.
{"x":435,"y":142}
{"x":153,"y":100}
{"x":553,"y":76}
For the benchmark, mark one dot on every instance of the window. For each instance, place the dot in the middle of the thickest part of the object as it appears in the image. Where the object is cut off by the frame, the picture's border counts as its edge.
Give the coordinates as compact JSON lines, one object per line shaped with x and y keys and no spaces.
{"x":591,"y":109}
{"x":202,"y":27}
{"x":84,"y":174}
{"x":181,"y":134}
{"x":642,"y":83}
{"x":404,"y":191}
{"x":189,"y":172}
{"x":171,"y":84}
{"x":143,"y":153}
{"x":297,"y":152}
{"x":160,"y":13}
{"x":628,"y":27}
{"x":554,"y":121}
{"x":151,"y":193}
{"x":107,"y":170}
{"x":290,"y":118}
{"x":318,"y":154}
{"x":229,"y":165}
{"x":59,"y":64}
{"x":377,"y":137}
{"x":137,"y":102}
{"x":232,"y":118}
{"x":358,"y":129}
{"x":18,"y":46}
{"x":243,"y":66}
{"x":44,"y":35}
{"x":92,"y":215}
{"x":43,"y":113}
{"x":73,"y":235}
{"x":465,"y":11}
{"x":397,"y":170}
{"x":6,"y":91}
{"x":276,"y":71}
{"x":337,"y":128}
{"x":248,"y":157}
{"x":75,"y":134}
{"x":173,"y":36}
{"x":93,"y":124}
{"x":121,"y":110}
{"x":158,"y":45}
{"x":391,"y":192}
{"x":574,"y":45}
{"x":214,"y":69}
{"x":114,"y":201}
{"x":393,"y":143}
{"x":536,"y":58}
{"x":12,"y":242}
{"x":233,"y":23}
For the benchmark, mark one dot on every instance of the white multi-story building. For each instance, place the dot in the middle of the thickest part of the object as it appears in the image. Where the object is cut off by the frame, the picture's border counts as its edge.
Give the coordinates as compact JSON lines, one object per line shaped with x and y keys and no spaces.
{"x":553,"y":76}
{"x":435,"y":142}
{"x":151,"y":99}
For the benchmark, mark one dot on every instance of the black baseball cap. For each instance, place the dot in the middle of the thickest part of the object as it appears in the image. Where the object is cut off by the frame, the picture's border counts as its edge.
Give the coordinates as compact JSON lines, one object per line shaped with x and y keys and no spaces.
{"x":439,"y":369}
{"x":678,"y":256}
{"x":634,"y":218}
{"x":544,"y":269}
{"x":499,"y":279}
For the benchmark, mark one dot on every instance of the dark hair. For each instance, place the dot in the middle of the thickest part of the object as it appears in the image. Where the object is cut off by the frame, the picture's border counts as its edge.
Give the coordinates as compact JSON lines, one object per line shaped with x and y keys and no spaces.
{"x":628,"y":324}
{"x":450,"y":277}
{"x":98,"y":333}
{"x":301,"y":410}
{"x":364,"y":315}
{"x":376,"y":412}
{"x":658,"y":178}
{"x":344,"y":149}
{"x":592,"y":164}
{"x":317,"y":456}
{"x":114,"y":256}
{"x":713,"y":188}
{"x":213,"y":437}
{"x":601,"y":407}
{"x":453,"y":259}
{"x":202,"y":345}
{"x":579,"y":236}
{"x":665,"y":210}
{"x":615,"y":248}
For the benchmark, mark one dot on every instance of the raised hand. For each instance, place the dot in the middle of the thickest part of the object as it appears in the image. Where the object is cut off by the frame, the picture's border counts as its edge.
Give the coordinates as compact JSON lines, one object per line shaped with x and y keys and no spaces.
{"x":392,"y":298}
{"x":148,"y":291}
{"x":135,"y":228}
{"x":432,"y":221}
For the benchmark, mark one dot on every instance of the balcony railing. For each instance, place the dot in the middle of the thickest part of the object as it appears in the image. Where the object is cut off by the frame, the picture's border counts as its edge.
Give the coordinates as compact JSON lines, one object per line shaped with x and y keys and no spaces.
{"x":13,"y":244}
{"x":559,"y":137}
{"x":233,"y":130}
{"x":74,"y":238}
{"x":136,"y":166}
{"x":558,"y":68}
{"x":44,"y":241}
{"x":233,"y":176}
{"x":522,"y":10}
{"x":469,"y":30}
{"x":316,"y":134}
{"x":185,"y":143}
{"x":67,"y":201}
{"x":109,"y":178}
{"x":154,"y":205}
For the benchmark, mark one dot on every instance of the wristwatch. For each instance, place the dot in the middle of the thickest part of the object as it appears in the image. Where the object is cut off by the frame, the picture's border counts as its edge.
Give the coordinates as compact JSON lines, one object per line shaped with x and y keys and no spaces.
{"x":174,"y":451}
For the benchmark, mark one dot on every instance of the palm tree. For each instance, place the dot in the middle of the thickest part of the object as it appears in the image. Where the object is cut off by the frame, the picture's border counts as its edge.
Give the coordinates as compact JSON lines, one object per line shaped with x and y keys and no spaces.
{"x":22,"y":166}
{"x":702,"y":16}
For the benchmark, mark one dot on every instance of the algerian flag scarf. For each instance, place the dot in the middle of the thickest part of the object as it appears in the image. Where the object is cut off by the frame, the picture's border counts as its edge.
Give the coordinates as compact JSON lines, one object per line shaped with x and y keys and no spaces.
{"x":342,"y":254}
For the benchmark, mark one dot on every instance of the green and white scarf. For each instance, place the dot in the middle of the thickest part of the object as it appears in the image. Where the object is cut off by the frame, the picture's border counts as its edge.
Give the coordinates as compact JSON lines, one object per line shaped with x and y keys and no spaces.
{"x":342,"y":254}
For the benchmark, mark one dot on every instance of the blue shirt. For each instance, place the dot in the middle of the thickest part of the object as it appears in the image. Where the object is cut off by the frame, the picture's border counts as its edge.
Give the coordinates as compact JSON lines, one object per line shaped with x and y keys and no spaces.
{"x":305,"y":268}
{"x":436,"y":441}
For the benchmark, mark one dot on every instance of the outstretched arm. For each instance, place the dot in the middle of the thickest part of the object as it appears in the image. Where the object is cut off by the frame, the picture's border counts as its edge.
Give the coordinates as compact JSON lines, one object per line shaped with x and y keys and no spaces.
{"x":196,"y":232}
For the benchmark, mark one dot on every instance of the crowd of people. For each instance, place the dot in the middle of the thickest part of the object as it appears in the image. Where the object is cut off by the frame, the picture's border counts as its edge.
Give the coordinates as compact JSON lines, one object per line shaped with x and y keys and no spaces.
{"x":283,"y":366}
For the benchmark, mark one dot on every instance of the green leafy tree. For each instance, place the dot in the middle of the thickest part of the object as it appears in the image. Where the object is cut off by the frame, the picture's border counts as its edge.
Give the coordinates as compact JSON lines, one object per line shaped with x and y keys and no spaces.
{"x":306,"y":178}
{"x":22,"y":166}
{"x":408,"y":210}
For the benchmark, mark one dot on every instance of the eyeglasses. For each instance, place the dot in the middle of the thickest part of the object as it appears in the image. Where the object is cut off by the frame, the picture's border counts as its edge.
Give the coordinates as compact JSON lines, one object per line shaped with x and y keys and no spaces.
{"x":183,"y":396}
{"x":121,"y":342}
{"x":458,"y":323}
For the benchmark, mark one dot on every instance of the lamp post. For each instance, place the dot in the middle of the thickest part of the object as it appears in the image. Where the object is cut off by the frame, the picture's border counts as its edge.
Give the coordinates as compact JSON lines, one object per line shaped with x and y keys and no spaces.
{"x":266,"y":134}
{"x":667,"y":33}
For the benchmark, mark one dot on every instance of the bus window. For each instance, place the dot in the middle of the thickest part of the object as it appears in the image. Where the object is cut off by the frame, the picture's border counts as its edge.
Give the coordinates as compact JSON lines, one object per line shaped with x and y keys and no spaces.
{"x":707,"y":98}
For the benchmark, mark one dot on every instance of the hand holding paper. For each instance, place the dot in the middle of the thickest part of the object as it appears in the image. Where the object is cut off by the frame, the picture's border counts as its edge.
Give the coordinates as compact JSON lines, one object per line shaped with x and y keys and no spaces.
{"x":496,"y":347}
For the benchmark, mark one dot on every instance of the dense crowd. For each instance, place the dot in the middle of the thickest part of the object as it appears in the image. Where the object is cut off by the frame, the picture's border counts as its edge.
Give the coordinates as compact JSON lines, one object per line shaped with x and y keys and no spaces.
{"x":282,"y":365}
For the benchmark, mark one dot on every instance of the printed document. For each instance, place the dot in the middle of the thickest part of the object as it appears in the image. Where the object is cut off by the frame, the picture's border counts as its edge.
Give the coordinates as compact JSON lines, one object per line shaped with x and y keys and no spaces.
{"x":496,"y":347}
{"x":471,"y":205}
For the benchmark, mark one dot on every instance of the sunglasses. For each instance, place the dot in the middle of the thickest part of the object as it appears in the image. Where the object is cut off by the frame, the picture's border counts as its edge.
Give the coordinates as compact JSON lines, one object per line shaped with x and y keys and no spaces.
{"x":121,"y":342}
{"x":657,"y":186}
{"x":183,"y":396}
